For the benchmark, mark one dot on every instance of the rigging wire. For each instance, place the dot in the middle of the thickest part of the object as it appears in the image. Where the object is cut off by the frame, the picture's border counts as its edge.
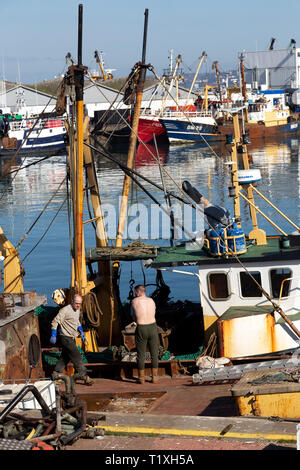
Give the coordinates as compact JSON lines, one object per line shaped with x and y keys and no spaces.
{"x":113,"y":102}
{"x":28,"y":165}
{"x":268,"y":297}
{"x":151,"y":68}
{"x":41,"y":213}
{"x":44,"y":234}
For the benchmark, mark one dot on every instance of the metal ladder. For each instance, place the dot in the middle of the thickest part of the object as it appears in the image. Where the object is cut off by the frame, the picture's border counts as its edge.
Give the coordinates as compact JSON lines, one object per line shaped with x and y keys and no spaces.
{"x":236,"y":372}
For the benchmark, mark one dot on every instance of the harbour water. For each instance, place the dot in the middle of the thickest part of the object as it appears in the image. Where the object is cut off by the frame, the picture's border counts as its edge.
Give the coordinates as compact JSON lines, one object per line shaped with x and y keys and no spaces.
{"x":46,"y":250}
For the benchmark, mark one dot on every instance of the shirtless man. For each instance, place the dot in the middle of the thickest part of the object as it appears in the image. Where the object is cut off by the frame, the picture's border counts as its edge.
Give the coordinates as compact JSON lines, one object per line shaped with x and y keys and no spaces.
{"x":143,"y":313}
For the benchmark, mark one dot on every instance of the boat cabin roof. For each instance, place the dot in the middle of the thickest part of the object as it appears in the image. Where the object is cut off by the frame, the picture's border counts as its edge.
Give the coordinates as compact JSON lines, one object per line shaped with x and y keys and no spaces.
{"x":182,"y":256}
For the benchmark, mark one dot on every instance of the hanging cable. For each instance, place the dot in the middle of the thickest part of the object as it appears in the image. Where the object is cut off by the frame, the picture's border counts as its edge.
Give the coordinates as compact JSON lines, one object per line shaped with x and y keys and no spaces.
{"x":41,"y":213}
{"x":44,"y":234}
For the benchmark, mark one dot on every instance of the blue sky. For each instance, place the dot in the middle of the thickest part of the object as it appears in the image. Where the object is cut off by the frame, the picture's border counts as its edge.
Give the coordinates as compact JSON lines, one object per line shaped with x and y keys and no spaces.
{"x":37,"y":34}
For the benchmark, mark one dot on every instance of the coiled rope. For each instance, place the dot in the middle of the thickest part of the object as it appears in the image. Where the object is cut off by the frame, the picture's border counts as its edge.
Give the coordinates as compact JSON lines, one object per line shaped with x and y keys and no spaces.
{"x":91,"y":309}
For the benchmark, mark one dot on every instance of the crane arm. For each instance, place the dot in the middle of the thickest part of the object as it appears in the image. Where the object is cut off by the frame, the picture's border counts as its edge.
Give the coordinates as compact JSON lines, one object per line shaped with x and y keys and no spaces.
{"x":195,"y":77}
{"x":105,"y":76}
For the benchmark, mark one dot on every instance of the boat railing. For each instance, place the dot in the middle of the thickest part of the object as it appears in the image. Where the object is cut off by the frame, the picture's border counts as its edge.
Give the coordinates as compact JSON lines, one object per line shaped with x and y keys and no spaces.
{"x":28,"y":123}
{"x":185,"y":114}
{"x":287,"y":279}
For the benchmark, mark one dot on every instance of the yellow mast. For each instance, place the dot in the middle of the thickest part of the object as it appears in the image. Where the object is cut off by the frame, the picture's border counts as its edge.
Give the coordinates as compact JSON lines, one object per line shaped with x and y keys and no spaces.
{"x":244,"y":91}
{"x":76,"y":72}
{"x":132,"y":141}
{"x":256,"y":234}
{"x":109,"y":331}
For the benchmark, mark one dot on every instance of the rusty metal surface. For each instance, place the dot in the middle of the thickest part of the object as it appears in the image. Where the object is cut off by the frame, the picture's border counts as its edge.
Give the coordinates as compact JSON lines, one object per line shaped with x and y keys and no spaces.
{"x":15,"y":347}
{"x":247,"y":335}
{"x":122,"y":402}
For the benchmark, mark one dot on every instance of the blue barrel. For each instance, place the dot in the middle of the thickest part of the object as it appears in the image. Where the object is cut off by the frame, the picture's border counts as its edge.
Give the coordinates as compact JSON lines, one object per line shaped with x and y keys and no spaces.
{"x":236,"y":240}
{"x":216,"y":242}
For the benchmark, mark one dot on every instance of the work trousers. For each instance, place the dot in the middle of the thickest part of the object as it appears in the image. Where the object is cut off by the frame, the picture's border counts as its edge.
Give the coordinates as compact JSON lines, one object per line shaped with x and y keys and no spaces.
{"x":70,"y":352}
{"x":147,"y":335}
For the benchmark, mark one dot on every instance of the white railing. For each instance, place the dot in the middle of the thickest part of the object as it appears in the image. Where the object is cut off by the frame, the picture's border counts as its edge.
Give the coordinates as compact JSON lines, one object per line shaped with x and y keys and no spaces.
{"x":183,"y":114}
{"x":45,"y":123}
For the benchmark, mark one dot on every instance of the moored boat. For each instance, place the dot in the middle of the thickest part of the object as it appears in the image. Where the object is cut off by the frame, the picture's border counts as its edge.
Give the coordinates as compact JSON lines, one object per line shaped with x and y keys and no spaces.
{"x":33,"y":135}
{"x":192,"y":127}
{"x":149,"y":125}
{"x":248,"y":284}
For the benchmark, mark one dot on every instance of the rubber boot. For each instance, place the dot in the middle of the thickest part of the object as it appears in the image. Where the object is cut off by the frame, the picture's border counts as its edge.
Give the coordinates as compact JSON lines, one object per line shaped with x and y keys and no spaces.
{"x":88,"y":380}
{"x":141,"y":379}
{"x":154,"y":376}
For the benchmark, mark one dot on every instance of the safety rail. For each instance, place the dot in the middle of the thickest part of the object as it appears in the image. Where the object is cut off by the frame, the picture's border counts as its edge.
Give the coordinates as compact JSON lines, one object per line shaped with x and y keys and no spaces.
{"x":28,"y":123}
{"x":184,"y":114}
{"x":281,"y":287}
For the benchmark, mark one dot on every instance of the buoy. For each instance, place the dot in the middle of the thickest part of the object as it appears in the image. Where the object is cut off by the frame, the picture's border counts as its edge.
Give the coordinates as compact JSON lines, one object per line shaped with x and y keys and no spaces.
{"x":249,"y":176}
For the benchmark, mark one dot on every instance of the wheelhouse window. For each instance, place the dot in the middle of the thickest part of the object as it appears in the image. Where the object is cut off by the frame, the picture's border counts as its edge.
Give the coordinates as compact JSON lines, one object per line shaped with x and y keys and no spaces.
{"x":249,"y":287}
{"x":218,"y":286}
{"x":277,"y":277}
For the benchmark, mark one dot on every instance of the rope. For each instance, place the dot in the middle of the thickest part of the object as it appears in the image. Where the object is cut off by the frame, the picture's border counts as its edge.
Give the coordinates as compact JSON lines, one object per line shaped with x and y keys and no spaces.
{"x":136,"y":248}
{"x":211,"y":348}
{"x":91,"y":309}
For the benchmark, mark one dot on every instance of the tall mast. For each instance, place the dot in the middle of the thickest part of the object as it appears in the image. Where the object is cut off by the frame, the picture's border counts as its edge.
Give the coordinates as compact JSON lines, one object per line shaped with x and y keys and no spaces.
{"x":166,"y":96}
{"x":239,"y":148}
{"x":244,"y":91}
{"x":77,"y":72}
{"x":133,"y":138}
{"x":195,"y":77}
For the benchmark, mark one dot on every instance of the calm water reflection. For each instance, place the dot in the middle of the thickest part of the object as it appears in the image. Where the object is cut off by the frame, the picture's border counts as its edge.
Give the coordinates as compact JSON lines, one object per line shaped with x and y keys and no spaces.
{"x":24,"y":194}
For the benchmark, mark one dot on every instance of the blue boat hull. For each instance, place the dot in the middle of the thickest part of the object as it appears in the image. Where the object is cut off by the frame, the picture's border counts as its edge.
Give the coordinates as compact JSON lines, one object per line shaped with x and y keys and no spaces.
{"x":184,"y":131}
{"x":55,"y":143}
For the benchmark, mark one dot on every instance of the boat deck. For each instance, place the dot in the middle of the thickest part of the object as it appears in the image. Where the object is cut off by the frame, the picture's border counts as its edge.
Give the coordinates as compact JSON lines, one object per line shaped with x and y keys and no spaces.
{"x":181,"y":256}
{"x":178,"y":396}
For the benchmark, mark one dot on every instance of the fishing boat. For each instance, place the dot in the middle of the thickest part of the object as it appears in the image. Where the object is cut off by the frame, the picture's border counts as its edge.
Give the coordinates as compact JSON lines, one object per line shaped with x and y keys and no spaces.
{"x":192,"y":127}
{"x":266,"y":116}
{"x":267,"y":113}
{"x":150,"y":124}
{"x":197,"y":123}
{"x":33,"y":134}
{"x":248,"y":284}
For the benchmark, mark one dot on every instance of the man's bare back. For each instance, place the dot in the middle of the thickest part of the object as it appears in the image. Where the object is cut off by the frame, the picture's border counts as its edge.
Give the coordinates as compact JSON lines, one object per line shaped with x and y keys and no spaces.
{"x":143,"y":309}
